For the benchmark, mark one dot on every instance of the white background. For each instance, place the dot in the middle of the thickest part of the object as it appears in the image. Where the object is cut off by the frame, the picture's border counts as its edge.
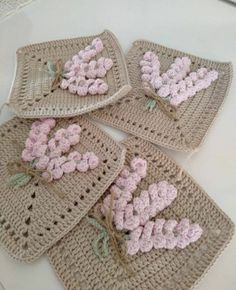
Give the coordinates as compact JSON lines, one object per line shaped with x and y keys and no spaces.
{"x":206,"y":28}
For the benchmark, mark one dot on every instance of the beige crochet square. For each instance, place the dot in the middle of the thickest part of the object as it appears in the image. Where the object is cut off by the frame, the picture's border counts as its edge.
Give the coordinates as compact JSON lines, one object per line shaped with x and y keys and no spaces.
{"x":194,"y":115}
{"x":34,"y":217}
{"x":79,"y":268}
{"x":31,"y":95}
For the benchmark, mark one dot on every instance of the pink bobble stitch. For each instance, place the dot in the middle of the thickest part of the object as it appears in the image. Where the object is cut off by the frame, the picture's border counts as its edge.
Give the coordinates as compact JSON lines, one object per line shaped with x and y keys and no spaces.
{"x":145,"y":242}
{"x":39,"y":150}
{"x":57,"y":173}
{"x":164,"y":91}
{"x":82,"y":166}
{"x":139,"y":165}
{"x":125,"y":172}
{"x":202,"y":72}
{"x":97,"y":43}
{"x":50,"y":122}
{"x":28,"y":143}
{"x":75,"y":155}
{"x":118,"y":219}
{"x":116,"y":190}
{"x":133,"y":243}
{"x":72,"y":89}
{"x":27,"y":155}
{"x":120,"y":204}
{"x":131,"y":221}
{"x":68,"y":65}
{"x":42,"y":163}
{"x":64,"y":84}
{"x":64,"y":145}
{"x":102,"y":87}
{"x":93,"y":160}
{"x":69,"y":166}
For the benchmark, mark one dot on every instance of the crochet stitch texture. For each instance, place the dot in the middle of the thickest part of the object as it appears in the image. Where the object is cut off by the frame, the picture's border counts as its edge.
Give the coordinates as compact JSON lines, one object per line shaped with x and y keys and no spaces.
{"x":33,"y":95}
{"x":35,"y":217}
{"x":194,"y":116}
{"x":79,"y":268}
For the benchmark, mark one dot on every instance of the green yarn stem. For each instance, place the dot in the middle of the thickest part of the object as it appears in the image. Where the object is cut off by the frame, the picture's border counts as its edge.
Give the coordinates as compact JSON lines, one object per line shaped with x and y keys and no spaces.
{"x":150,"y":105}
{"x":102,"y":237}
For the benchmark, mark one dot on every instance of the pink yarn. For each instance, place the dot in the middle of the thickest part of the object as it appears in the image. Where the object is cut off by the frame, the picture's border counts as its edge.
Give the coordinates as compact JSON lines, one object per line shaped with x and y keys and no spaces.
{"x":48,"y":154}
{"x":124,"y":186}
{"x":177,"y":84}
{"x":163,"y":234}
{"x":82,"y":76}
{"x":135,"y":215}
{"x":146,"y":206}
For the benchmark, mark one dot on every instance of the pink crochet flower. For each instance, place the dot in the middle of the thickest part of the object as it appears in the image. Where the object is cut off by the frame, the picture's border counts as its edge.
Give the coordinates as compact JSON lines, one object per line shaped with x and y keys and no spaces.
{"x":177,"y":84}
{"x":48,"y":154}
{"x":82,"y":76}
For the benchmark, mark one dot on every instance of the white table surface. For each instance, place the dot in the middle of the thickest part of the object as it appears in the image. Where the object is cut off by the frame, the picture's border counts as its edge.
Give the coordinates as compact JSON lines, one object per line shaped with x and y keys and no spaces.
{"x":203,"y":27}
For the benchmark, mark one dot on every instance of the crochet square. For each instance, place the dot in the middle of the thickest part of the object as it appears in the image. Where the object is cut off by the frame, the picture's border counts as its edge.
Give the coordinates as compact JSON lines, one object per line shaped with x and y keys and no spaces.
{"x":32,"y":95}
{"x":79,"y":268}
{"x":35,"y":216}
{"x":194,"y":116}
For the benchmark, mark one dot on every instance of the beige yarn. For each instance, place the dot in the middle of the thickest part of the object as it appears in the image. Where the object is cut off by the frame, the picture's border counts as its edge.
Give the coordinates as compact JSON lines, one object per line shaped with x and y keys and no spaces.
{"x":79,"y":268}
{"x":35,"y":217}
{"x":31,"y":95}
{"x":194,"y":116}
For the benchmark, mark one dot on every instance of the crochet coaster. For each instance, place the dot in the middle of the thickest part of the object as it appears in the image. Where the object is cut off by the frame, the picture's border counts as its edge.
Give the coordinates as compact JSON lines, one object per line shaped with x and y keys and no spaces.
{"x":32,"y":95}
{"x":35,"y":216}
{"x":193,"y":117}
{"x":78,"y":267}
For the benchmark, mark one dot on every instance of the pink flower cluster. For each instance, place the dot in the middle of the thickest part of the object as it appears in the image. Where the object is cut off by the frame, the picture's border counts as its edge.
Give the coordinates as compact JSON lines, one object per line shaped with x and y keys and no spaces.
{"x":123,"y":187}
{"x":177,"y":84}
{"x":36,"y":143}
{"x":135,"y":214}
{"x":83,"y":75}
{"x":49,"y":155}
{"x":163,"y":234}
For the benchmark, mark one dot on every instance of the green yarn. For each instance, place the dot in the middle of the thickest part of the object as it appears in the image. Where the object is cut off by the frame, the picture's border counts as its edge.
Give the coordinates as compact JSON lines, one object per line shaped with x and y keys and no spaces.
{"x":150,"y":105}
{"x":102,"y":237}
{"x":19,"y":179}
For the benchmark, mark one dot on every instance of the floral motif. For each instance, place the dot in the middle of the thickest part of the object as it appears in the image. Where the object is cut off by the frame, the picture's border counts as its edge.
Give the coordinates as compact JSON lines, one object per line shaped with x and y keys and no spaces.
{"x":177,"y":84}
{"x":49,"y":155}
{"x":137,"y":215}
{"x":82,"y":75}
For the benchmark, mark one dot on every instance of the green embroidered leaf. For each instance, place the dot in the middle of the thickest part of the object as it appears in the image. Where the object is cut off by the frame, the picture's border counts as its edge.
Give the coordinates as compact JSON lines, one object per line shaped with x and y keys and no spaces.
{"x":51,"y":69}
{"x":19,"y":179}
{"x":151,"y":104}
{"x":105,"y":246}
{"x":93,"y":222}
{"x":99,"y":238}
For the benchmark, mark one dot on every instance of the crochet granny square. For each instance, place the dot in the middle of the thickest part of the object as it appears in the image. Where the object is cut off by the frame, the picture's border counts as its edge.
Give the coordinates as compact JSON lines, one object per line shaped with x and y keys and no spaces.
{"x":34,"y":96}
{"x":35,"y":216}
{"x":193,"y":117}
{"x":75,"y":262}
